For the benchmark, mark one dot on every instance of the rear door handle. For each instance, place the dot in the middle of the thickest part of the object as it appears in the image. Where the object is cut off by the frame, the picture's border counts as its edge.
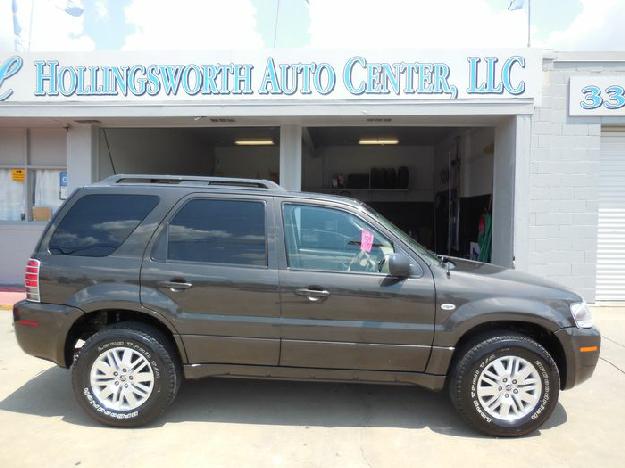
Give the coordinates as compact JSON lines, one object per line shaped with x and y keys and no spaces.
{"x":313,"y":295}
{"x":174,"y":285}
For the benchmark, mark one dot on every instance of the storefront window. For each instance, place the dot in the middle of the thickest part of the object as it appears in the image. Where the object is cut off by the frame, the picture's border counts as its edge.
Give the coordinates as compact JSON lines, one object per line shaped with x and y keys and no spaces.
{"x":48,"y":193}
{"x":31,"y":194}
{"x":33,"y":174}
{"x":13,"y":199}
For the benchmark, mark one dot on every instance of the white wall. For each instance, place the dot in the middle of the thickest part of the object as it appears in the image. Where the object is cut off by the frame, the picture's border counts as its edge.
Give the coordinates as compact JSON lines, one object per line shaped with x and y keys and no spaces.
{"x":260,"y":162}
{"x":13,"y":146}
{"x":154,"y":151}
{"x":443,"y":152}
{"x":477,"y":162}
{"x":563,"y":182}
{"x":33,"y":146}
{"x":81,"y":168}
{"x":325,"y":162}
{"x":476,"y":156}
{"x":504,"y":192}
{"x":48,"y":146}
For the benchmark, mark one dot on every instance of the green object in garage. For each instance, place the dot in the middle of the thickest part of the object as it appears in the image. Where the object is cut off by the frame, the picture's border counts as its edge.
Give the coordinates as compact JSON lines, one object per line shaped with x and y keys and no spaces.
{"x":485,"y":238}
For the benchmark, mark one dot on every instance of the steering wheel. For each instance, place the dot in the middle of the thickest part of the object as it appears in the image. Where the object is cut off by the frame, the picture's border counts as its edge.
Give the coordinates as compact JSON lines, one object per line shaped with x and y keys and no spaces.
{"x":363,"y":261}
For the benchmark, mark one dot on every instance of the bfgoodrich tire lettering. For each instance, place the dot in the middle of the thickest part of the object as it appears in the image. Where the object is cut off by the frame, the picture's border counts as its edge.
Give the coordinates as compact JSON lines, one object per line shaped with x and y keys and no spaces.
{"x":143,"y":341}
{"x":466,"y":373}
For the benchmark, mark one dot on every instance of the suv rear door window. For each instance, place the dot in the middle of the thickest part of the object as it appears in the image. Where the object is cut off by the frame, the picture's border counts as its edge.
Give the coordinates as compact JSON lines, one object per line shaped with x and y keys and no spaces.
{"x":96,"y":225}
{"x":219,"y":231}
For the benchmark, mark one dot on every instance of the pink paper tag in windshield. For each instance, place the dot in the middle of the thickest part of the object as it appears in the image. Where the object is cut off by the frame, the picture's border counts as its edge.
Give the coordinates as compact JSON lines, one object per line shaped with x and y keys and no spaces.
{"x":366,"y":240}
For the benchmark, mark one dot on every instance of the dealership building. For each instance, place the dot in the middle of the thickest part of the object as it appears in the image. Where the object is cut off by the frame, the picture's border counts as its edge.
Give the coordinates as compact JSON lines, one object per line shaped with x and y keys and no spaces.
{"x":437,"y":141}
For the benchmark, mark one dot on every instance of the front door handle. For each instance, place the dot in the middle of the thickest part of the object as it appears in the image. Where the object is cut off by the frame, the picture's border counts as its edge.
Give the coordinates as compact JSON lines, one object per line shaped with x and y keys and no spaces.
{"x":174,"y":285}
{"x":313,"y":295}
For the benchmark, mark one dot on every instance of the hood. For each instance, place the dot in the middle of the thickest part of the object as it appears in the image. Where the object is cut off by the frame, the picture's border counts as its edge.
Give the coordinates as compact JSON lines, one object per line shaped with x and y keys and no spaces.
{"x":488,"y":270}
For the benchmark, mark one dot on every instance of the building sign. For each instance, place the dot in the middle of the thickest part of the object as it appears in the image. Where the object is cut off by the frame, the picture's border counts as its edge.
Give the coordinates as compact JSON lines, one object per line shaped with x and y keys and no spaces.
{"x":63,"y":183}
{"x":270,"y":75}
{"x":600,"y":95}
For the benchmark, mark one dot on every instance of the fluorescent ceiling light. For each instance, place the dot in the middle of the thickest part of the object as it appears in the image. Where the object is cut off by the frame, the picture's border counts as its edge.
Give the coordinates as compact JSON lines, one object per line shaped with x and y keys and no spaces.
{"x":254,"y":141}
{"x":378,"y":141}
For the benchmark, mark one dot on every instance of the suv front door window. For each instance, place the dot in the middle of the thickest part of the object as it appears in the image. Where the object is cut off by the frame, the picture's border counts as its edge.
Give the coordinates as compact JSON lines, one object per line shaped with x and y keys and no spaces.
{"x":327,"y":239}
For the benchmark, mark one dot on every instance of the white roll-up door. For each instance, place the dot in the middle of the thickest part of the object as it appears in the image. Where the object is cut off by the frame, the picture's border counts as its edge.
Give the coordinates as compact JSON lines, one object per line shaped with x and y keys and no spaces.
{"x":611,"y":234}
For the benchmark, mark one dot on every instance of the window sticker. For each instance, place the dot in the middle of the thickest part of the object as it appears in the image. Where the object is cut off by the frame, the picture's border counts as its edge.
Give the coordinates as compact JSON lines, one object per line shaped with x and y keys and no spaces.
{"x":366,"y":240}
{"x":18,"y":175}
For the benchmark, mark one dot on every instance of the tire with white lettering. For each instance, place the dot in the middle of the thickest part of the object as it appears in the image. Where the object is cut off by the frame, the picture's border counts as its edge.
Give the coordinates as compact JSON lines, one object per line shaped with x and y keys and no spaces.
{"x":505,"y":385}
{"x":126,"y":375}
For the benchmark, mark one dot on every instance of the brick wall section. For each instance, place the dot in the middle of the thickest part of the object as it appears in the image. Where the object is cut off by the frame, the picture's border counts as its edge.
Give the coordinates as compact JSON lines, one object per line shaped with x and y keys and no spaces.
{"x":564,"y":183}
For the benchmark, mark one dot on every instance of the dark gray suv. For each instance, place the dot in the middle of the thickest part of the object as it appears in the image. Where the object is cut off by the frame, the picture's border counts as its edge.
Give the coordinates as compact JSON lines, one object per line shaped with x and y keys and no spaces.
{"x":141,"y":280}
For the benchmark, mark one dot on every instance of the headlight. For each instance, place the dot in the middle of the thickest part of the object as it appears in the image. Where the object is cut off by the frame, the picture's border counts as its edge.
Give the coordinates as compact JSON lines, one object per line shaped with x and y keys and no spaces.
{"x":582,"y":315}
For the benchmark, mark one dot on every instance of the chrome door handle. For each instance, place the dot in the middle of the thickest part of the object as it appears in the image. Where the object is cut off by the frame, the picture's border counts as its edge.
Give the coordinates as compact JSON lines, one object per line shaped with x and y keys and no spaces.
{"x":174,"y":285}
{"x":313,"y":295}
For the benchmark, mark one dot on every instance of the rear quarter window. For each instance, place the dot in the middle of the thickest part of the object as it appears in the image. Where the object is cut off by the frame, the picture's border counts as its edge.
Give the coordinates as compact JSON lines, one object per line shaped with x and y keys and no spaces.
{"x":96,"y":225}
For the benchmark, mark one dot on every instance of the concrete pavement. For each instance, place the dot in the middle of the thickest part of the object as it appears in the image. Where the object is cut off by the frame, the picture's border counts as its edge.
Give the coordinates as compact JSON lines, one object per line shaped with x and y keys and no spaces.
{"x":9,"y":296}
{"x":255,"y":423}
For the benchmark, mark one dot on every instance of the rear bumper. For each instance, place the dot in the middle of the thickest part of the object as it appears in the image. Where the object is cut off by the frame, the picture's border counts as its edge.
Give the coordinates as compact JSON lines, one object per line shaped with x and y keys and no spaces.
{"x":579,"y":364}
{"x":42,"y":329}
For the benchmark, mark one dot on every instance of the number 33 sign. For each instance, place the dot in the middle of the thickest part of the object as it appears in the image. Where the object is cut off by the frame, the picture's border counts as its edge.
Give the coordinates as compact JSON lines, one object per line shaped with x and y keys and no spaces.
{"x":597,"y":95}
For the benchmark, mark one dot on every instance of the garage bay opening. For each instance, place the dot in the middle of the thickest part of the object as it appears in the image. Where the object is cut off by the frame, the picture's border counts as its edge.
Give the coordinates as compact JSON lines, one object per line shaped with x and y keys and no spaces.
{"x":247,"y":152}
{"x":435,"y":183}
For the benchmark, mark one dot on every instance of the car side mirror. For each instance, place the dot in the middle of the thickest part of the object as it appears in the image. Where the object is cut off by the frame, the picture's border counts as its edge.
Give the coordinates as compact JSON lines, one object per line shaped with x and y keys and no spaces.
{"x":399,"y":265}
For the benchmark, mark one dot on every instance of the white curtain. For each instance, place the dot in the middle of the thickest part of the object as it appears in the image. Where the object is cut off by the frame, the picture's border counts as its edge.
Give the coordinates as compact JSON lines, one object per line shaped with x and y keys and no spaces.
{"x":47,"y":188}
{"x":12,"y":198}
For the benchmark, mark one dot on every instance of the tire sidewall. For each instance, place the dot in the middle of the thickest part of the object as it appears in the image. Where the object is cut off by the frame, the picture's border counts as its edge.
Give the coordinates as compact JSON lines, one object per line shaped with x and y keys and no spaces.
{"x":82,"y":385}
{"x":547,"y":371}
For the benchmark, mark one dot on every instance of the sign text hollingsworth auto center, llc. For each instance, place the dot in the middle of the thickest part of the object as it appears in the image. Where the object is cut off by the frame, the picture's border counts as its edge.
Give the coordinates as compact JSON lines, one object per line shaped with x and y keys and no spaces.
{"x":106,"y":76}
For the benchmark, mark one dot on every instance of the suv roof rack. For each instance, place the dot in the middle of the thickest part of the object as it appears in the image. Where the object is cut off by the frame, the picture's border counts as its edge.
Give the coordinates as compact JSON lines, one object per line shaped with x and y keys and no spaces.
{"x":191,"y":180}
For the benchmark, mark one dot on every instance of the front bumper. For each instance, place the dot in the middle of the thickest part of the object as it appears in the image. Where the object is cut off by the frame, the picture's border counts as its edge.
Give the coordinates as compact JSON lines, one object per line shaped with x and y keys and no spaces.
{"x":580,"y":364}
{"x":42,"y":329}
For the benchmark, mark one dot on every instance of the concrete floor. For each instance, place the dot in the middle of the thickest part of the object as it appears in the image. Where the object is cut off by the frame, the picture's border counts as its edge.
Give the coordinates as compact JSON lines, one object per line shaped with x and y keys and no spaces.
{"x":254,"y":423}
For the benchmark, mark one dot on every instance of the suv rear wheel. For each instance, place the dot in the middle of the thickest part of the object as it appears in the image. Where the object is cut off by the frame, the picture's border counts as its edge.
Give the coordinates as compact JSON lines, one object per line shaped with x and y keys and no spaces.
{"x":505,"y":385}
{"x":126,"y":374}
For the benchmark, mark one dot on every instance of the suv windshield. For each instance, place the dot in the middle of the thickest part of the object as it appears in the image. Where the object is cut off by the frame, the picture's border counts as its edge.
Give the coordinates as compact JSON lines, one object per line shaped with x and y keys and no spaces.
{"x":413,"y":244}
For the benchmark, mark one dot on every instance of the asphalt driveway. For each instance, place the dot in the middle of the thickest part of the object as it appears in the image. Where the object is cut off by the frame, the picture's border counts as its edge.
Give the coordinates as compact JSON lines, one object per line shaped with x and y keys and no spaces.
{"x":256,"y":423}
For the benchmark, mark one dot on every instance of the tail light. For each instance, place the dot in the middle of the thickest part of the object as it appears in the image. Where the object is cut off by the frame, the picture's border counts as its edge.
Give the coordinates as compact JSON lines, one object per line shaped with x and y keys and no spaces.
{"x":31,"y":280}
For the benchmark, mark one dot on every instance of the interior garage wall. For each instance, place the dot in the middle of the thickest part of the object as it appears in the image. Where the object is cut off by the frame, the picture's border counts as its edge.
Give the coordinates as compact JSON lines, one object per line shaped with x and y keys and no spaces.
{"x":477,"y":162}
{"x":476,"y":155}
{"x":259,"y":162}
{"x":475,"y":184}
{"x":323,"y":163}
{"x":441,"y":160}
{"x":154,"y":150}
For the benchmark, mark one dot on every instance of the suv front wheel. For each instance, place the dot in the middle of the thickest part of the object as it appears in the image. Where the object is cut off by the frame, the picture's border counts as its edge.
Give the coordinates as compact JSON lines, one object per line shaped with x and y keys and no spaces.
{"x":505,"y":385}
{"x":126,"y":374}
